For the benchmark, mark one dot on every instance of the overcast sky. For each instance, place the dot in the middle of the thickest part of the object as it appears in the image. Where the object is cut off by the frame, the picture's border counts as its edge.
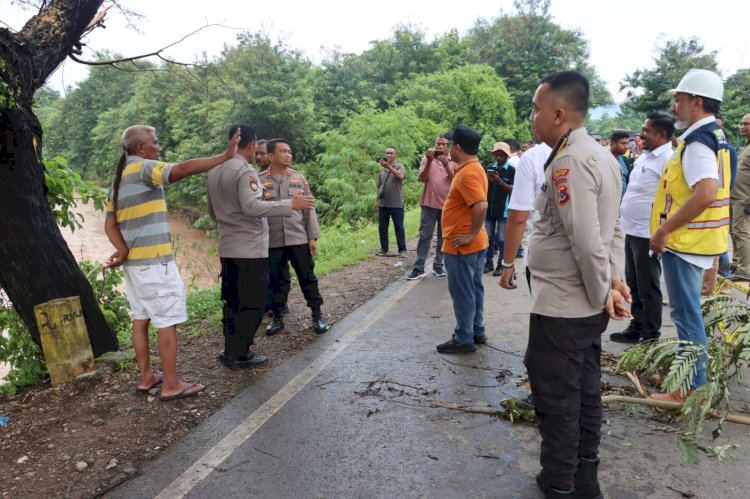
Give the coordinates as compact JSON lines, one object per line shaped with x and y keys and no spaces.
{"x":622,"y":35}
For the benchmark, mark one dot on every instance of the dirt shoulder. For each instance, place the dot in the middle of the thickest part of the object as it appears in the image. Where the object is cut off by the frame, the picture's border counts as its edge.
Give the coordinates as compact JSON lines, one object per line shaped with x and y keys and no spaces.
{"x":105,"y":424}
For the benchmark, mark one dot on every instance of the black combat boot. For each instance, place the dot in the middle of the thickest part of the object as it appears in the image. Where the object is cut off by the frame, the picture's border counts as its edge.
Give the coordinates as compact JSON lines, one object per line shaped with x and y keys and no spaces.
{"x":550,"y":492}
{"x":586,"y":482}
{"x":277,"y":324}
{"x":319,"y":323}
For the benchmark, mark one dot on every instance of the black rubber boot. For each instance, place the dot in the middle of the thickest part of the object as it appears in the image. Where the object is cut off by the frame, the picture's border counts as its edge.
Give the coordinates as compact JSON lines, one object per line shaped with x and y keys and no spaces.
{"x":319,"y":323}
{"x":586,"y":481}
{"x":551,"y":492}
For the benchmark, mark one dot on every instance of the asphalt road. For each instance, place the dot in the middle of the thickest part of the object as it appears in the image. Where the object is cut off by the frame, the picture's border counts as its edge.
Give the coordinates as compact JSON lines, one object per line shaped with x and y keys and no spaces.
{"x":351,"y":417}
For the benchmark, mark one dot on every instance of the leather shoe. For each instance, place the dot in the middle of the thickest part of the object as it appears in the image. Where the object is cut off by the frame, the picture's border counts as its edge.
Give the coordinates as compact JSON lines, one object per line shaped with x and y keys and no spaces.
{"x":631,"y":335}
{"x":275,"y":326}
{"x":319,"y":324}
{"x":549,"y":490}
{"x":453,"y":346}
{"x":480,"y":340}
{"x":675,"y":396}
{"x":243,"y":361}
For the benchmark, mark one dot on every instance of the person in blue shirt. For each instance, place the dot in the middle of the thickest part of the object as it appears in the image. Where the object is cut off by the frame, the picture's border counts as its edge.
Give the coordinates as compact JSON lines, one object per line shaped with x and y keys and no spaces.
{"x":618,"y":144}
{"x":500,"y":175}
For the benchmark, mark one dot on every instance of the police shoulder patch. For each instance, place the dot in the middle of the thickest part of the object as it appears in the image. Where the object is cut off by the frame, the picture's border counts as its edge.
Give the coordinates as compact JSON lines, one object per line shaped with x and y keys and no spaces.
{"x":254,"y":183}
{"x":563,"y":196}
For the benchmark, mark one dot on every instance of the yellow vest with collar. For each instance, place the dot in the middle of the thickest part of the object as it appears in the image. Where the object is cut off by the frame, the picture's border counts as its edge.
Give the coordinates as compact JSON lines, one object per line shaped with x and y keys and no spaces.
{"x":708,"y":233}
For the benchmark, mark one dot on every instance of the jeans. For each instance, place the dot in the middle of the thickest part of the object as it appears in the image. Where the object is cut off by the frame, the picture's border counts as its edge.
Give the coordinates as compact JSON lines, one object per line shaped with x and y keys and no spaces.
{"x":467,"y":292}
{"x":428,"y":218}
{"x":495,"y":228}
{"x":684,"y":282}
{"x":724,"y":265}
{"x":642,"y":273}
{"x":384,"y":216}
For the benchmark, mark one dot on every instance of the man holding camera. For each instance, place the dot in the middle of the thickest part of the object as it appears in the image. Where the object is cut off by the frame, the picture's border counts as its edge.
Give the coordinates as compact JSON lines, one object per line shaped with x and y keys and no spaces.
{"x":465,"y":241}
{"x":390,"y":201}
{"x":500,"y":175}
{"x":436,"y":173}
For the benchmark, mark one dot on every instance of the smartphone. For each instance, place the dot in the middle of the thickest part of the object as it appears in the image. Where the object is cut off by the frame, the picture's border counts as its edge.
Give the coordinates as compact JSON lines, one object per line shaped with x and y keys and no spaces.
{"x":438,"y":153}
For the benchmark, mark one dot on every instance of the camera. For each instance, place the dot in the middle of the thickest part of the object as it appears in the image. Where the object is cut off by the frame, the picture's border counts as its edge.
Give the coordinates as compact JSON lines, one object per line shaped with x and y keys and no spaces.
{"x":384,"y":159}
{"x":438,"y":153}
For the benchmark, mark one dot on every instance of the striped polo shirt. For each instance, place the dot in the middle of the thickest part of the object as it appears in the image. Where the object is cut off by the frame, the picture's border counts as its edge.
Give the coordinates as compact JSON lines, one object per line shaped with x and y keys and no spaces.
{"x":142,"y":211}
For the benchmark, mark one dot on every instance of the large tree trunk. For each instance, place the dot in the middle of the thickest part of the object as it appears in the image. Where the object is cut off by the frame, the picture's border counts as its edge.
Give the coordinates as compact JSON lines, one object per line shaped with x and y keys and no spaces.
{"x":35,"y":263}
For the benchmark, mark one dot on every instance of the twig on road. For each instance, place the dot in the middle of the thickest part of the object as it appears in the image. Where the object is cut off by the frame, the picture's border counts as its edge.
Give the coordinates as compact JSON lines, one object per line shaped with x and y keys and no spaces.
{"x":671,"y":406}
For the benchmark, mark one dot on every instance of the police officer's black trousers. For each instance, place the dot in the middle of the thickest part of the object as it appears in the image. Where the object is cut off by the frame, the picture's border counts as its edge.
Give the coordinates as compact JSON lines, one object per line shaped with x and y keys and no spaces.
{"x":244,"y":289}
{"x":563,"y":362}
{"x":302,"y":261}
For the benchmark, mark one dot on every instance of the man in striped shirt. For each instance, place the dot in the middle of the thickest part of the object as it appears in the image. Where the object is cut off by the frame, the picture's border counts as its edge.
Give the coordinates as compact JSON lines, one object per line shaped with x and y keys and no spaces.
{"x":137,"y":226}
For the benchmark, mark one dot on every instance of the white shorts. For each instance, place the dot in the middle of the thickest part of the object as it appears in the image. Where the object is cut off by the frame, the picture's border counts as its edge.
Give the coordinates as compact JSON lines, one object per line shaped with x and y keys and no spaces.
{"x":156,"y":292}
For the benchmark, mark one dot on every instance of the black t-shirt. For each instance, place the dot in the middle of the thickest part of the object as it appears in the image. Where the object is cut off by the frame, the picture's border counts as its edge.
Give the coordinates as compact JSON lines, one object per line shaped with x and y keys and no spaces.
{"x":497,"y":197}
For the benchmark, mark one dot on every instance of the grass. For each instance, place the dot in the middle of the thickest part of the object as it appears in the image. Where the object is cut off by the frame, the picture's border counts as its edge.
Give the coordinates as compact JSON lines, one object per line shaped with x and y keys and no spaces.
{"x":347,"y":244}
{"x":338,"y":246}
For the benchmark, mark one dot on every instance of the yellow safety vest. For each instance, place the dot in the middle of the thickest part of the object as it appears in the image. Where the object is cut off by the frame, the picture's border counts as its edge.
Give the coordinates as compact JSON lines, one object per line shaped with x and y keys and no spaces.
{"x":708,"y":233}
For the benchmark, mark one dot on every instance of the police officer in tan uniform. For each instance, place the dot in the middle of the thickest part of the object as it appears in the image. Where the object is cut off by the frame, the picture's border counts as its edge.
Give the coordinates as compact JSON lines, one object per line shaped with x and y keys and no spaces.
{"x":235,"y":202}
{"x":292,"y":240}
{"x":576,"y":272}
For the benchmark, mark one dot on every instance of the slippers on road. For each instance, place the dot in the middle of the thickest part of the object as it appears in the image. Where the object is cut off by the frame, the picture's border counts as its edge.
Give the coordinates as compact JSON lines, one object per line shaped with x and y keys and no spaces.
{"x":185,"y":392}
{"x":158,"y":381}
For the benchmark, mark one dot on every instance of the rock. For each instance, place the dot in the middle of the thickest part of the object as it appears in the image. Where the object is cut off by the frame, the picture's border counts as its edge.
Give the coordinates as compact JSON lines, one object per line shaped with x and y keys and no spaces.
{"x":114,"y":361}
{"x":81,"y":466}
{"x":98,"y":422}
{"x":130,"y":471}
{"x":22,"y":460}
{"x":112,"y":463}
{"x":91,"y":377}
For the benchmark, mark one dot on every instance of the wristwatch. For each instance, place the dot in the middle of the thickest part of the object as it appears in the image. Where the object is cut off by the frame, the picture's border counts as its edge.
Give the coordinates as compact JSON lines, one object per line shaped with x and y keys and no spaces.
{"x":507,"y":265}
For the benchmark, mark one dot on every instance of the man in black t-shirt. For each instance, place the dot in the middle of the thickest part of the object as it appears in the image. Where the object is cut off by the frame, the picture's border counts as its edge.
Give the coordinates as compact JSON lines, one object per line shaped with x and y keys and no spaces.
{"x":500,"y":175}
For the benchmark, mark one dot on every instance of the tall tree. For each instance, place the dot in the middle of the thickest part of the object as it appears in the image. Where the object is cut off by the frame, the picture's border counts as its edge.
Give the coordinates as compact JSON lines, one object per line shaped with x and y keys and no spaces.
{"x":35,"y":263}
{"x":647,"y":88}
{"x":736,"y":103}
{"x":526,"y":46}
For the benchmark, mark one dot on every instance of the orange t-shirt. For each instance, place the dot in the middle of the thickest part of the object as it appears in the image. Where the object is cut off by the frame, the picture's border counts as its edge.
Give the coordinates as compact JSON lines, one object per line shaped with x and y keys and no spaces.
{"x":468,"y":188}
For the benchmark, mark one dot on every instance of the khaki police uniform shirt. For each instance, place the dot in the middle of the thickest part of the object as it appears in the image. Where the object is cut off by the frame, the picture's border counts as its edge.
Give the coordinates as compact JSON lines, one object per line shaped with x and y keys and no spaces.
{"x":235,"y":202}
{"x":578,"y":245}
{"x":302,"y":226}
{"x":741,"y":189}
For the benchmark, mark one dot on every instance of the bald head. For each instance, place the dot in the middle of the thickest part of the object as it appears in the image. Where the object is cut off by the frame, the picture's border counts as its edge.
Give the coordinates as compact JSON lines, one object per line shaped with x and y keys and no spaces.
{"x":745,"y":127}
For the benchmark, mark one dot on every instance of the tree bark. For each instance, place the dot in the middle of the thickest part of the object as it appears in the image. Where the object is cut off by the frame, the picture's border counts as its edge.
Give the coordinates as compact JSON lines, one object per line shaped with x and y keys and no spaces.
{"x":35,"y":263}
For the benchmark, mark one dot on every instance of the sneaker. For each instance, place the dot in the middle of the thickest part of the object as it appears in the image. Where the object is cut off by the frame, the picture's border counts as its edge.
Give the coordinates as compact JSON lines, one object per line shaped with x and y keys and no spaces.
{"x":415,"y":274}
{"x":382,"y":253}
{"x":439,"y":272}
{"x":480,"y":340}
{"x":453,"y":346}
{"x":488,"y":267}
{"x":403,"y":253}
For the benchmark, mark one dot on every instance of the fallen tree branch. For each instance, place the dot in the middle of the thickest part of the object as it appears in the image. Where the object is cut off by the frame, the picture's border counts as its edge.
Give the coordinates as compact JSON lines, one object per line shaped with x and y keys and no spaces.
{"x":671,"y":406}
{"x":638,"y":386}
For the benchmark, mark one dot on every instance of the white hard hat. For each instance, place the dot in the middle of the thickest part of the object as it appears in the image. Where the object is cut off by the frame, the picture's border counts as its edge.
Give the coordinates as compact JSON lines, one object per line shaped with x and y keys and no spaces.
{"x":701,"y":82}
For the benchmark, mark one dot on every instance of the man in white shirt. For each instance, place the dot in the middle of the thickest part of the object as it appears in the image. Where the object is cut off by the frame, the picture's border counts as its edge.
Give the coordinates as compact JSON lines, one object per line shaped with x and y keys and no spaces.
{"x":690,"y":216}
{"x":643,"y":270}
{"x":528,"y":184}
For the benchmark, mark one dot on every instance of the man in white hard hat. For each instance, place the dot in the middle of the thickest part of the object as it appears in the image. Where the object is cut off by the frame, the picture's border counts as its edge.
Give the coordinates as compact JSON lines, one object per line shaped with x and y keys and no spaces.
{"x":690,"y":215}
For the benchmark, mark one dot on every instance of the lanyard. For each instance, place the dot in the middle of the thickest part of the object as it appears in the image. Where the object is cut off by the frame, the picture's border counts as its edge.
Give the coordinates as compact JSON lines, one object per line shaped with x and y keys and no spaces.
{"x":558,"y":147}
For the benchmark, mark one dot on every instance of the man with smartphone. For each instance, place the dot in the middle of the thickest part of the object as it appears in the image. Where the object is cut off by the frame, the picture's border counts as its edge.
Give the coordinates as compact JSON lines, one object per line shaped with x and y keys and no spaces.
{"x":500,"y":176}
{"x":436,"y":172}
{"x":390,"y":201}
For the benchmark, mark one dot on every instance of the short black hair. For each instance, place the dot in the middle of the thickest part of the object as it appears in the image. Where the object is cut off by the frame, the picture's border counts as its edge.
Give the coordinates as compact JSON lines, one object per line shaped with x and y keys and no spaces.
{"x":271,"y":144}
{"x":572,"y":86}
{"x":247,"y":134}
{"x":710,"y":105}
{"x":662,"y":122}
{"x":514,"y":145}
{"x":261,"y":142}
{"x":619,"y":135}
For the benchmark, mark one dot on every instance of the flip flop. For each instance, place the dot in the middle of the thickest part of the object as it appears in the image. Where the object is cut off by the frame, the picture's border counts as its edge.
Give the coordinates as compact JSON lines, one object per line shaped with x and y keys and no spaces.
{"x":159,"y":381}
{"x":184,"y":393}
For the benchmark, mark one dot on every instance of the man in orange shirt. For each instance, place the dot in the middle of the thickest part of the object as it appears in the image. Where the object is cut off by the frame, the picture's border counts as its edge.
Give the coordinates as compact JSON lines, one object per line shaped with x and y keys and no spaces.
{"x":465,"y":241}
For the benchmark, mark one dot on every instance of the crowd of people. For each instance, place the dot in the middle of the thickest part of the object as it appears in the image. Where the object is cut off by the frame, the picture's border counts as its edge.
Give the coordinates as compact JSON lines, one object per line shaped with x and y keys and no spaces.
{"x":604,"y":221}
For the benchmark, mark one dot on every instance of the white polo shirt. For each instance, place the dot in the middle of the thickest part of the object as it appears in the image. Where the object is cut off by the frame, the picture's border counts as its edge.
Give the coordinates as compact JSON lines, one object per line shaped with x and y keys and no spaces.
{"x":635,"y":209}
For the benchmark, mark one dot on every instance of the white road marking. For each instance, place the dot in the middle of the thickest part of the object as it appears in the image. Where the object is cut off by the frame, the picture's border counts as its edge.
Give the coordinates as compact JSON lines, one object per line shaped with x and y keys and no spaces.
{"x":222,"y":450}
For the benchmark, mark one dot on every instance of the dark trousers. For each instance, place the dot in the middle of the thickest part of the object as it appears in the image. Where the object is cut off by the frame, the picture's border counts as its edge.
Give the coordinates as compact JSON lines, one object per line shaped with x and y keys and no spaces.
{"x":244,"y":289}
{"x":642,"y":274}
{"x":302,"y":262}
{"x":384,"y":216}
{"x":563,"y":362}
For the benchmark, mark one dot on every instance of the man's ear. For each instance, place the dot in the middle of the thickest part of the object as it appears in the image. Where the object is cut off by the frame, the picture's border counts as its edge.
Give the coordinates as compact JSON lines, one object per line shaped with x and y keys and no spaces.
{"x":560,"y":115}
